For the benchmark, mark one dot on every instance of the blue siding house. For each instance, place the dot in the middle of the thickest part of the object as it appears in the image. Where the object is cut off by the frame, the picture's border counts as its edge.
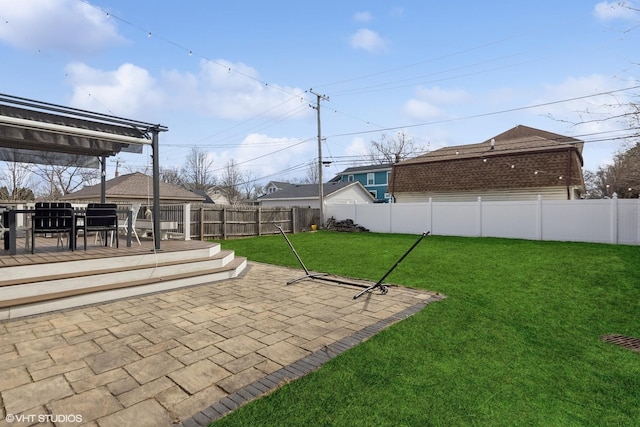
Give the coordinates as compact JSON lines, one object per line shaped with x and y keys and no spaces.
{"x":375,"y":178}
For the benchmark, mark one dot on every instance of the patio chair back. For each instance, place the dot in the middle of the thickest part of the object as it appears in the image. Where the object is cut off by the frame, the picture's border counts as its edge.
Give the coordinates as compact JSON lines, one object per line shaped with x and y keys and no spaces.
{"x":101,"y":217}
{"x":52,"y":217}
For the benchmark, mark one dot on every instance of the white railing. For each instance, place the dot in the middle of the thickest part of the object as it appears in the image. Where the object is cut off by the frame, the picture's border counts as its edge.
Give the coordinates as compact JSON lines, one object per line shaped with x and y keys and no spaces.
{"x":612,"y":220}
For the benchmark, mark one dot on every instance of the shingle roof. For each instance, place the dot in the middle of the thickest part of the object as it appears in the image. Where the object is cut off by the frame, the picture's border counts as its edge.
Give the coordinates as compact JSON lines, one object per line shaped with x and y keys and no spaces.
{"x":520,"y":139}
{"x":305,"y":191}
{"x":384,"y":166}
{"x":521,"y":157}
{"x":280,"y":184}
{"x":134,"y":186}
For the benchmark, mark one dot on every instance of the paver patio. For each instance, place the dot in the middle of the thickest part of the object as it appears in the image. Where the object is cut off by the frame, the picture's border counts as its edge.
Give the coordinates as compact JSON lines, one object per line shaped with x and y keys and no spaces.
{"x":187,"y":356}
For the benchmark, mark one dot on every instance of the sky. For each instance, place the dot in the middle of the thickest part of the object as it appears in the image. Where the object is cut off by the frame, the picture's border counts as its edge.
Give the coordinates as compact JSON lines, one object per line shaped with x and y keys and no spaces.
{"x":238,"y":79}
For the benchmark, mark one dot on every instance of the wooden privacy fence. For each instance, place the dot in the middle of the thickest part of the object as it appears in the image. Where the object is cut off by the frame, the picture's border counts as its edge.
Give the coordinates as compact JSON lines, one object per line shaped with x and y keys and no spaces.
{"x":228,"y":222}
{"x":215,"y":222}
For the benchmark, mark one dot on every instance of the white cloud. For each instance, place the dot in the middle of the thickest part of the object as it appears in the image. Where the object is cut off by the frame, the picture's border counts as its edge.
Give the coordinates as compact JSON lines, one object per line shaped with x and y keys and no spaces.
{"x":64,"y":25}
{"x":610,"y":10}
{"x":362,"y":17}
{"x":357,"y":147}
{"x":219,"y":89}
{"x":126,"y":91}
{"x":249,"y":155}
{"x":421,"y":110}
{"x":397,"y":11}
{"x":233,"y":91}
{"x":427,"y":103}
{"x":592,"y":119}
{"x":368,"y":40}
{"x":438,"y":95}
{"x":591,"y":114}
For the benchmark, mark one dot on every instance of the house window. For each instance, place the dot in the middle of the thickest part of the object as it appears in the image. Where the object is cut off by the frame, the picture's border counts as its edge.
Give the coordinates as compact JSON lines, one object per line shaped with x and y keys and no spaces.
{"x":374,"y":193}
{"x":388,"y":177}
{"x":350,"y":178}
{"x":371,"y":178}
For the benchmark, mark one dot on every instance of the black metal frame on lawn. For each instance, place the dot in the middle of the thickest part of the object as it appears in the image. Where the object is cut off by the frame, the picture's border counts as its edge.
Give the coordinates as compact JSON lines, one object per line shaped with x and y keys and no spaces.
{"x":323,"y":276}
{"x":383,"y":288}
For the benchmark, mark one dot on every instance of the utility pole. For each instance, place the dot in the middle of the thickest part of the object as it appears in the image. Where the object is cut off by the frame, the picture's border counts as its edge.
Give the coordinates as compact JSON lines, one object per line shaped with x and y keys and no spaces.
{"x":320,"y":189}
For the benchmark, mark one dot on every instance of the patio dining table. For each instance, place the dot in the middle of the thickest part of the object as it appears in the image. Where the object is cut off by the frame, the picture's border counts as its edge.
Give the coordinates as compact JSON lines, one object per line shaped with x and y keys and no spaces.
{"x":9,"y":221}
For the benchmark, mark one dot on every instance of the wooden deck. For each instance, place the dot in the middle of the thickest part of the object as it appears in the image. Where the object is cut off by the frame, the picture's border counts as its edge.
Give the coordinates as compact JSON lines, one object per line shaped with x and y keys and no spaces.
{"x":49,"y":251}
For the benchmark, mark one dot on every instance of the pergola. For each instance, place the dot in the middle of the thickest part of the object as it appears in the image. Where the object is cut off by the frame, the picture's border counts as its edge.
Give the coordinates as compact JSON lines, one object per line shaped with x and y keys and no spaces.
{"x":43,"y":133}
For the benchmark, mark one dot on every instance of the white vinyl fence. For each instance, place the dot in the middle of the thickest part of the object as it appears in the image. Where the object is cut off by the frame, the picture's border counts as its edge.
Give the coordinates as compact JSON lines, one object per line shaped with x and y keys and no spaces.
{"x":613,"y":220}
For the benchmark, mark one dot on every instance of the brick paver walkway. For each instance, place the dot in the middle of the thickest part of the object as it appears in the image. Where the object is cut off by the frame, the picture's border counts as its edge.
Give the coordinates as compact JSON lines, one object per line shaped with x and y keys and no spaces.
{"x":186,"y":356}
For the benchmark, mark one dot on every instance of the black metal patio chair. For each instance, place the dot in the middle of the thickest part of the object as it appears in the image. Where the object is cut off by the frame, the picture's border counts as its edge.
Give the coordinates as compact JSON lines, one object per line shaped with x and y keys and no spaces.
{"x":100,"y":218}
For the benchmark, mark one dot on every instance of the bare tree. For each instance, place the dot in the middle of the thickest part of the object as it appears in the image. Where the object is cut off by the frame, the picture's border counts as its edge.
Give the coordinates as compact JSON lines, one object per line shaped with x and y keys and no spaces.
{"x":198,"y":170}
{"x":17,"y":179}
{"x":595,"y":185}
{"x":231,"y":181}
{"x":171,"y":175}
{"x":392,"y":150}
{"x":248,"y":186}
{"x":61,"y":178}
{"x":621,"y":176}
{"x":312,"y":174}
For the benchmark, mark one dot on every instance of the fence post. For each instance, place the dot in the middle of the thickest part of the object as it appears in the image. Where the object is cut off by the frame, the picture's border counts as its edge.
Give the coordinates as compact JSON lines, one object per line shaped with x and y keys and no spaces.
{"x":224,"y":222}
{"x":539,"y":217}
{"x":201,"y":223}
{"x":479,"y":226}
{"x":431,"y":215}
{"x":186,"y":221}
{"x":638,"y":228}
{"x":259,"y":221}
{"x":294,"y":215}
{"x":614,"y":218}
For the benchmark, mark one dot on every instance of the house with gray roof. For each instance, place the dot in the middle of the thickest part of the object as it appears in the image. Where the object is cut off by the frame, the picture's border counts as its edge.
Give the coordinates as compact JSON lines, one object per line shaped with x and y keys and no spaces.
{"x":274,"y":186}
{"x":308,"y":195}
{"x":133,"y":187}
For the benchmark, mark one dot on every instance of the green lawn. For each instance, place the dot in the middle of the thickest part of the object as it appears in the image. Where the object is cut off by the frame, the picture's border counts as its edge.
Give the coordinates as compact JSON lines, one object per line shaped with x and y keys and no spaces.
{"x":516,"y":342}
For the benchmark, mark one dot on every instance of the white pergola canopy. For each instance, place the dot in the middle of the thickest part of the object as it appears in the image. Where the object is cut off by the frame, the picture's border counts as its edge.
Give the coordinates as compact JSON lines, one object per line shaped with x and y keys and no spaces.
{"x":37,"y":132}
{"x":42,"y":133}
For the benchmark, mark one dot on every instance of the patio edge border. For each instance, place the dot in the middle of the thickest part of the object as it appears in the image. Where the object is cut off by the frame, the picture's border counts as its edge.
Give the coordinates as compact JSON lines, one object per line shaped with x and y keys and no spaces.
{"x":298,"y":369}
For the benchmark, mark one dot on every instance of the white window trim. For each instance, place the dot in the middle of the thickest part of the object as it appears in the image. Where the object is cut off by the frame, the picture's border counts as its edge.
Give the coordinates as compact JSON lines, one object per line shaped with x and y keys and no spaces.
{"x":371,"y":178}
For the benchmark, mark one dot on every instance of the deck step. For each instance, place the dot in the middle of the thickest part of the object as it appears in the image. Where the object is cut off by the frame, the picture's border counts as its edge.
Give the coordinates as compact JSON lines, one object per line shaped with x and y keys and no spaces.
{"x":75,"y":268}
{"x":217,"y":260}
{"x":45,"y":288}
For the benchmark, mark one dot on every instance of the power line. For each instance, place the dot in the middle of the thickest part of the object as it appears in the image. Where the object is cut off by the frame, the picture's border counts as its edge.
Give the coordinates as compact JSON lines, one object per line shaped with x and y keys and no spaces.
{"x":493,"y":113}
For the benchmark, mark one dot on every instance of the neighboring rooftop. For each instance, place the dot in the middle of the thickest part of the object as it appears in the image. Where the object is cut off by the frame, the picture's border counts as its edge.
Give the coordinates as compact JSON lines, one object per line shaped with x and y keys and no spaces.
{"x":520,"y":139}
{"x":134,"y":186}
{"x":295,"y":191}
